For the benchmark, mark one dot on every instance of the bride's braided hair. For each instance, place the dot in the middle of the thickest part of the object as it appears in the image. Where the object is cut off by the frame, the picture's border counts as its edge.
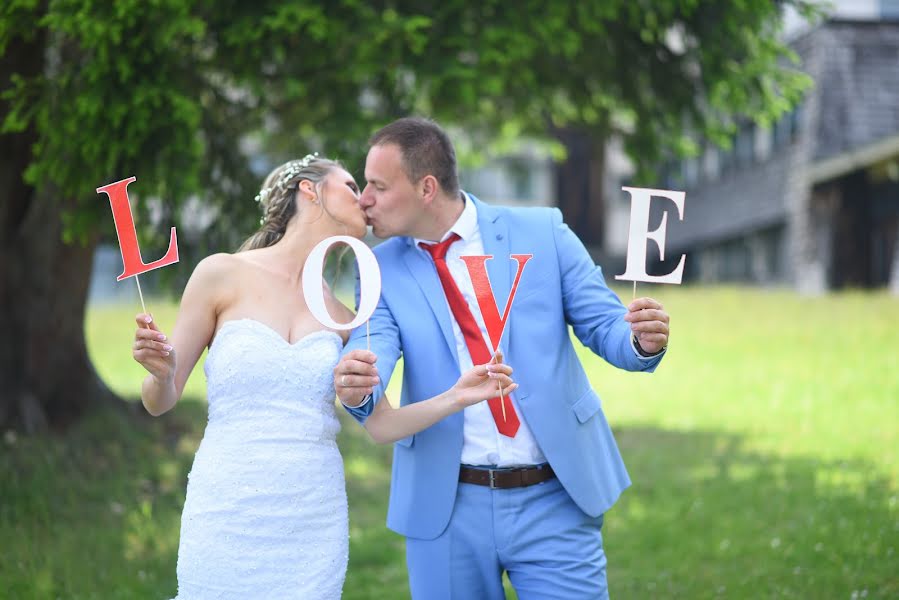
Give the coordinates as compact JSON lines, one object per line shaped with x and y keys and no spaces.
{"x":277,"y":198}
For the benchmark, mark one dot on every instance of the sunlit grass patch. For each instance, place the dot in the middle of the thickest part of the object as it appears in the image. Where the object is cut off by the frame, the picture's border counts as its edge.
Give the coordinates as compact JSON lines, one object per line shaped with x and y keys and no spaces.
{"x":764,"y":454}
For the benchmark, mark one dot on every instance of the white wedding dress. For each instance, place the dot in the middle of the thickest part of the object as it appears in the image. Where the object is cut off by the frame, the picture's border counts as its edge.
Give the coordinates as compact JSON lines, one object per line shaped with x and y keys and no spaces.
{"x":266,"y":510}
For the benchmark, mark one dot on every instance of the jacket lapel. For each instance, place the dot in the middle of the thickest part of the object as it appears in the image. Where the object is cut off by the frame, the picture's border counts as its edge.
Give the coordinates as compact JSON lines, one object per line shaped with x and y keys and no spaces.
{"x":425,"y":274}
{"x":501,"y":270}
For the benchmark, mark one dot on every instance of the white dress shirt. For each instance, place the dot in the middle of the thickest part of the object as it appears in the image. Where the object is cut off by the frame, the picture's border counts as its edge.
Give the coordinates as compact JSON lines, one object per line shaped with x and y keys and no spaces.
{"x":482,"y":443}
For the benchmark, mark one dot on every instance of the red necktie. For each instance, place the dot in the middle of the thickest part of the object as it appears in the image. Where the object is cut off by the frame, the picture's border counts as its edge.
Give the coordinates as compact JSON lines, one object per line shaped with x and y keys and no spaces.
{"x":474,"y":339}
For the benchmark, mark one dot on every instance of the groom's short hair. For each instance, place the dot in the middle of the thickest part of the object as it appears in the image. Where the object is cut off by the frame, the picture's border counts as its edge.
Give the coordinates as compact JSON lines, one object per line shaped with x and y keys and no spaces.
{"x":426,"y":150}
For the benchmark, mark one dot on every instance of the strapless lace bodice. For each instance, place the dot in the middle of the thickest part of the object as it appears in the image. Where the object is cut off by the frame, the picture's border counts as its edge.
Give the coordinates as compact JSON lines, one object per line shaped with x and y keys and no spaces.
{"x":266,"y":513}
{"x":254,"y":377}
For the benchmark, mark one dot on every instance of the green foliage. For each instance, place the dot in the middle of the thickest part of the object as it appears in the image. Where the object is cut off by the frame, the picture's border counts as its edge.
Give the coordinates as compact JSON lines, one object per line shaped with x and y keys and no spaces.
{"x":172,"y":91}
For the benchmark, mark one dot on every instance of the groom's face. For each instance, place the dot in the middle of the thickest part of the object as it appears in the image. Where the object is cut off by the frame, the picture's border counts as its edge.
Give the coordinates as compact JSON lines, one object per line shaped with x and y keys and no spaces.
{"x":392,"y":203}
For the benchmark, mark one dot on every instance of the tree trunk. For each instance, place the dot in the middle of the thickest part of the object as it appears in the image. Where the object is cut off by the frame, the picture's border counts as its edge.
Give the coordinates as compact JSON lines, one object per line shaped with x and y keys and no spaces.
{"x":46,"y":377}
{"x":579,"y":185}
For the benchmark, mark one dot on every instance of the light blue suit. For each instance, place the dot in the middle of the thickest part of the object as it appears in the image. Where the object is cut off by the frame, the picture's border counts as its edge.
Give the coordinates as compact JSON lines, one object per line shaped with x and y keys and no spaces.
{"x":560,"y":286}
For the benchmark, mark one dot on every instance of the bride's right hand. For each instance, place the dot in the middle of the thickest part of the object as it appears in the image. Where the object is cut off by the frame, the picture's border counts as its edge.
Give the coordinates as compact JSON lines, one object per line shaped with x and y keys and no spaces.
{"x":152,"y":350}
{"x":484,"y":382}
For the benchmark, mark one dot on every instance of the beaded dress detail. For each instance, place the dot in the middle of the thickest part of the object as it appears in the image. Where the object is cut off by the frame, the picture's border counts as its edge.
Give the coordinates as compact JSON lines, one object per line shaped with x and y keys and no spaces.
{"x":266,"y":511}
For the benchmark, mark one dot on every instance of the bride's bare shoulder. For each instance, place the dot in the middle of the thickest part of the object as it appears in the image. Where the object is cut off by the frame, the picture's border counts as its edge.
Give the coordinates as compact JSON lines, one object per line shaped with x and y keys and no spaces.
{"x":217,"y":265}
{"x":220,"y":271}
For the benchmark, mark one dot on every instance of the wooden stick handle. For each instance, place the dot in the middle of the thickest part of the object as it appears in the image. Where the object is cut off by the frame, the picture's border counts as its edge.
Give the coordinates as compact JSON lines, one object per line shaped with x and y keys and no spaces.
{"x":502,"y":398}
{"x":141,"y":294}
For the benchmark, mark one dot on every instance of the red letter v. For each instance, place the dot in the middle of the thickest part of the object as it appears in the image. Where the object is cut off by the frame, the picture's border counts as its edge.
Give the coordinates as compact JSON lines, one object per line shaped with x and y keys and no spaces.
{"x":477,"y":270}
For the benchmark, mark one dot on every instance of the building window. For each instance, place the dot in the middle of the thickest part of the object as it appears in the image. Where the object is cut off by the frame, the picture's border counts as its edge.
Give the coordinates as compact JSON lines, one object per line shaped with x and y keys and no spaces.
{"x":520,"y":176}
{"x":763,"y":143}
{"x":727,"y":158}
{"x":786,"y":130}
{"x":744,"y":145}
{"x":711,"y":167}
{"x":691,"y":171}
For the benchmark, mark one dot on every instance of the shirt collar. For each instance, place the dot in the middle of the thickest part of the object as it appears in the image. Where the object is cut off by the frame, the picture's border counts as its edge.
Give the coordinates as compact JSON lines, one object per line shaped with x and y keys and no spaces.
{"x":465,"y":226}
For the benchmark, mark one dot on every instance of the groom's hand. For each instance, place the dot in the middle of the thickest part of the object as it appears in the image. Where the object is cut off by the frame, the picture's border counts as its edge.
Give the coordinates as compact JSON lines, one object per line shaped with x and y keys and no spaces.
{"x":649,"y":323}
{"x":355,"y":376}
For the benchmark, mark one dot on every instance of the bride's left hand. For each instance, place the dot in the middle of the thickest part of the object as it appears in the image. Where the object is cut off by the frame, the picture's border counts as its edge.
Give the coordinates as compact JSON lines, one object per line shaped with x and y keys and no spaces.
{"x":484,"y":382}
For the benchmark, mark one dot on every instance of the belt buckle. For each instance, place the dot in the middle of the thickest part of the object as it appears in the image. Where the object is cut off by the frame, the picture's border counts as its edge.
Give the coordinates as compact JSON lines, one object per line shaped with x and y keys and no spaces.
{"x":492,"y":480}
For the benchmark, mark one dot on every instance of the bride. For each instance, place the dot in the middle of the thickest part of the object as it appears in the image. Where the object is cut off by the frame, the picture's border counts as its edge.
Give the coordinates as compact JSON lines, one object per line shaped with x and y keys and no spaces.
{"x":266,"y":513}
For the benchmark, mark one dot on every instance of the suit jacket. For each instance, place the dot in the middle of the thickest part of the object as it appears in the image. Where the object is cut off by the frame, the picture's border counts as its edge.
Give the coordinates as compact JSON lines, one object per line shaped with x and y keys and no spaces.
{"x":560,"y":286}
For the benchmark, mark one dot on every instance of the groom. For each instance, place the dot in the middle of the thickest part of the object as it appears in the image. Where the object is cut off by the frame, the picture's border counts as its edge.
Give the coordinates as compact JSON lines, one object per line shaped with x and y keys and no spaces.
{"x":481,"y":492}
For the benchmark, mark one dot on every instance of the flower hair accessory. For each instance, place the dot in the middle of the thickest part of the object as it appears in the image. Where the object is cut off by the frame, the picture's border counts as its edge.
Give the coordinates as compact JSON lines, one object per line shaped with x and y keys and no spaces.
{"x":293,"y":168}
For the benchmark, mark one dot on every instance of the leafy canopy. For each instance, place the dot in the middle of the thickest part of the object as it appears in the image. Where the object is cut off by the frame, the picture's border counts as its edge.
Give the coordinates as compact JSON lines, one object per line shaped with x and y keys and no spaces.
{"x":190,"y":95}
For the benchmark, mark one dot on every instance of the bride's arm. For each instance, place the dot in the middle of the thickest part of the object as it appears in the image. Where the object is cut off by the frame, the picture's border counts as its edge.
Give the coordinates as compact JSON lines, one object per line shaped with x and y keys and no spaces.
{"x":170,"y":359}
{"x":387,"y":424}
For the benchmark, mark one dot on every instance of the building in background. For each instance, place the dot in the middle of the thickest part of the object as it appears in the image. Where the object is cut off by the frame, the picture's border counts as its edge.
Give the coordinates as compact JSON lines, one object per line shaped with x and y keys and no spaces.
{"x":812,"y":202}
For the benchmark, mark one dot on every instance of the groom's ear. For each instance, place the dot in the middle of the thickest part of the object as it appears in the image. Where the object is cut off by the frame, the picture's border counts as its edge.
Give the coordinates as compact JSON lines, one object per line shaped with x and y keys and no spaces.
{"x":428,"y":187}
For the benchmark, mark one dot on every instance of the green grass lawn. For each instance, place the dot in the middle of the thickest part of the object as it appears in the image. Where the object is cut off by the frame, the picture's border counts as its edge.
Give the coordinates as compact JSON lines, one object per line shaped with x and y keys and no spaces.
{"x":764,"y":454}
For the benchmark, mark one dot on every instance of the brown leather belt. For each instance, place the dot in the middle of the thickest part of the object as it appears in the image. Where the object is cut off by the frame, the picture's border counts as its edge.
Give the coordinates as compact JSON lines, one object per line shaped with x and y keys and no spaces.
{"x":506,"y":478}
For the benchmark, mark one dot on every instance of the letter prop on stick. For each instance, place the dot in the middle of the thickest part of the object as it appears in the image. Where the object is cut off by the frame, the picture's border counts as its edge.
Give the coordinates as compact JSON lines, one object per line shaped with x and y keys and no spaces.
{"x":495,"y":324}
{"x":369,"y":283}
{"x":639,"y":234}
{"x":124,"y":227}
